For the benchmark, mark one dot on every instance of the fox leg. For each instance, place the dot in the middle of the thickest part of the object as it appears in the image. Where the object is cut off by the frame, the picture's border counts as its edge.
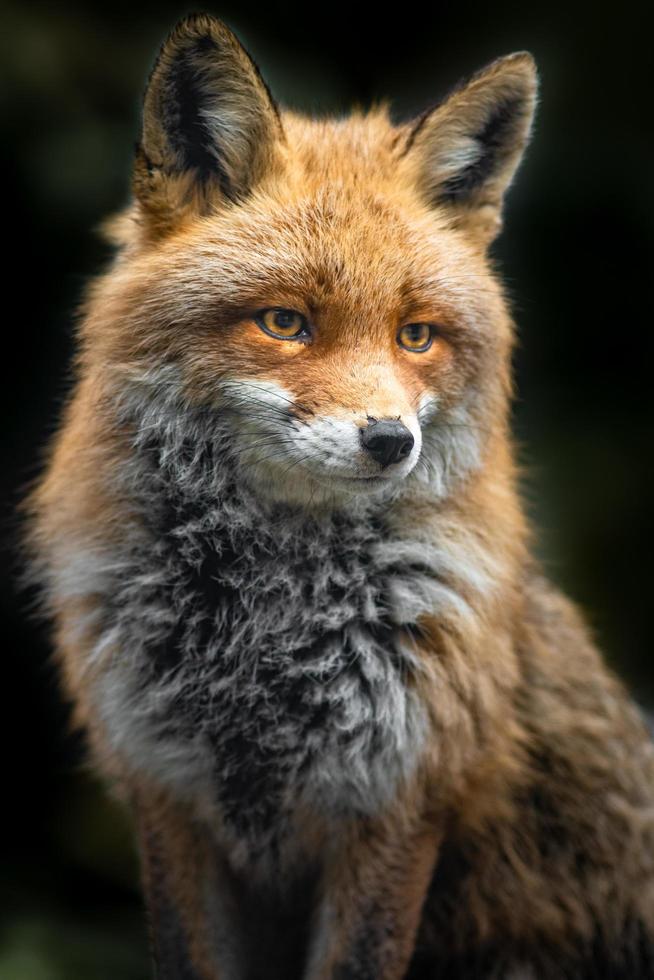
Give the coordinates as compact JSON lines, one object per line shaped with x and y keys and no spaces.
{"x":372,"y":896}
{"x":188,"y":901}
{"x":168,"y":937}
{"x":351,"y":915}
{"x":212,"y":921}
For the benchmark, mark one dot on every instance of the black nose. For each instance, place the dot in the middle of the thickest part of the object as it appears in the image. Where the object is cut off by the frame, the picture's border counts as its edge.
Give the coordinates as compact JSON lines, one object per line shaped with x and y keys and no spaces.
{"x":388,"y":441}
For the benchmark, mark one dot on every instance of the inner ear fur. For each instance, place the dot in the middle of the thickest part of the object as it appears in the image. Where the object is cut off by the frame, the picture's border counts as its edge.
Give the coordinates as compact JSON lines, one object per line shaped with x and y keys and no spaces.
{"x":210,"y":125}
{"x":463,"y":154}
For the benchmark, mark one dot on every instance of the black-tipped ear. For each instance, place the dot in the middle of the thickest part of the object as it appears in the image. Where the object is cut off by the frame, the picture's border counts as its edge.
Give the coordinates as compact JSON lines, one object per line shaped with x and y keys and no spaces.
{"x":464,"y":153}
{"x":209,"y":123}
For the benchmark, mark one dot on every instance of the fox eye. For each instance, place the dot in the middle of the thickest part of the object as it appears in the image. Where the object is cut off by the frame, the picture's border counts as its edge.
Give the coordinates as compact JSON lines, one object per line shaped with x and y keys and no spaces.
{"x":283,"y":324}
{"x":416,"y":337}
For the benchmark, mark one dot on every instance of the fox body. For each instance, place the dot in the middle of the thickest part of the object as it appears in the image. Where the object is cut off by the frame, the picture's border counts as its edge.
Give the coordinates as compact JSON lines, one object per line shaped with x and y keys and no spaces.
{"x":280,"y":537}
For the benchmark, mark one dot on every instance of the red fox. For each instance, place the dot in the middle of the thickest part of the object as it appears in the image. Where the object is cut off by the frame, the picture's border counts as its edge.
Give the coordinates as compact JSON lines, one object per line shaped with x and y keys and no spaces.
{"x":281,"y":539}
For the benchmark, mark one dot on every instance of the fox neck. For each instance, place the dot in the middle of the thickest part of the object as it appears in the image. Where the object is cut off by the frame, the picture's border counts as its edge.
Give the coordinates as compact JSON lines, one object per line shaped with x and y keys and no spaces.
{"x":233,"y":608}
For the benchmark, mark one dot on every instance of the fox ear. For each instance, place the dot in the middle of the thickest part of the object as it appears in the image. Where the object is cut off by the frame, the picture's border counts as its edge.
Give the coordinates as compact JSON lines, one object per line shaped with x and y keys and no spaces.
{"x":464,"y":153}
{"x":210,"y":125}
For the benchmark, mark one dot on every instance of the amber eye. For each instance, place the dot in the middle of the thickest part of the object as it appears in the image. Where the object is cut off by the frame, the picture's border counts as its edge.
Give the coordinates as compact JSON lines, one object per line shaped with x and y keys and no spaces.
{"x":283,"y":324}
{"x":415,"y":337}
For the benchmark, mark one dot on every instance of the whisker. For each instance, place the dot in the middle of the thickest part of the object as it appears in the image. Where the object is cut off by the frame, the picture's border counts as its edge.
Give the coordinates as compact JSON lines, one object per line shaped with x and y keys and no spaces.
{"x":270,"y":411}
{"x":249,"y":386}
{"x":235,"y":404}
{"x":267,"y":442}
{"x":264,"y":418}
{"x":462,"y":425}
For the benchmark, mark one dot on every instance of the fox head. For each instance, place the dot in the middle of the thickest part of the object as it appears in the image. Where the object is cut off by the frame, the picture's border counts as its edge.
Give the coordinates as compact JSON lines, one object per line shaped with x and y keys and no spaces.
{"x":320,"y":287}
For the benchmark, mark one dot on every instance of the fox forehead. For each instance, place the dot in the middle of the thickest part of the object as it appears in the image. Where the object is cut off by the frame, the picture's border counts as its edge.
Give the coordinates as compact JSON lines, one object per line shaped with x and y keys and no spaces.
{"x":362,"y":146}
{"x":357,"y":259}
{"x":352,"y":246}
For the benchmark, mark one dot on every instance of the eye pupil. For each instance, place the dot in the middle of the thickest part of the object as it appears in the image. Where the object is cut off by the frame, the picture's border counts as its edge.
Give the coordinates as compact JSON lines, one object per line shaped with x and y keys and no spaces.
{"x":284,"y":318}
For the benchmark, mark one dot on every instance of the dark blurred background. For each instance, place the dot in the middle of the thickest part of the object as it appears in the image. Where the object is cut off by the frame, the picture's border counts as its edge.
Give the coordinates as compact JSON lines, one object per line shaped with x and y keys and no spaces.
{"x":577,"y":253}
